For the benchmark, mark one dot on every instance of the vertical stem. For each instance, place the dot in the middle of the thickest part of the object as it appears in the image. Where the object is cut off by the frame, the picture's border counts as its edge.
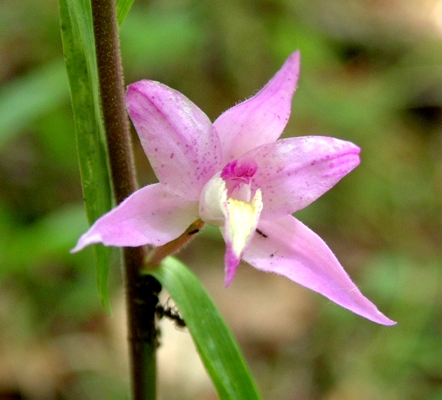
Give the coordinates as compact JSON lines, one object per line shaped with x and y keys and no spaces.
{"x":141,"y":291}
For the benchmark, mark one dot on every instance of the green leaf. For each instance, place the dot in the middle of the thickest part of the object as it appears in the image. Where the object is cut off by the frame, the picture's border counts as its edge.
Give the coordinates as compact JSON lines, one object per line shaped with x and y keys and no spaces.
{"x":218,"y":350}
{"x":79,"y":51}
{"x":123,"y":7}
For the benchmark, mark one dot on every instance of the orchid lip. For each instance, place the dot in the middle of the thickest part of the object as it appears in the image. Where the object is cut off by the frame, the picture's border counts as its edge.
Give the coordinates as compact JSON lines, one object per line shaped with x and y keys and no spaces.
{"x":233,"y":183}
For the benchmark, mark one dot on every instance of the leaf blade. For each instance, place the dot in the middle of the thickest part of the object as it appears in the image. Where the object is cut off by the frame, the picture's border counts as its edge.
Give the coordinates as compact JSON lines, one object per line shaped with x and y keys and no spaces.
{"x":213,"y":339}
{"x":79,"y":51}
{"x":123,"y":7}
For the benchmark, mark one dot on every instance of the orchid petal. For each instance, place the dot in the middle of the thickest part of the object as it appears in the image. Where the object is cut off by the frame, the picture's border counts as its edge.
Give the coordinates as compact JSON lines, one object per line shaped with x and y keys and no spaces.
{"x":151,"y":215}
{"x":178,"y":138}
{"x":240,"y":225}
{"x":294,"y":172}
{"x":262,"y":118}
{"x":287,"y":247}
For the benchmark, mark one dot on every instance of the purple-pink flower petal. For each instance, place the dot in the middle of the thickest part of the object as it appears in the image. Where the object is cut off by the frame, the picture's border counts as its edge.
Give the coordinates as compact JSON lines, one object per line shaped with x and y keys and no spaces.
{"x":151,"y":215}
{"x":262,"y":118}
{"x":287,"y":247}
{"x":294,"y":172}
{"x":177,"y":137}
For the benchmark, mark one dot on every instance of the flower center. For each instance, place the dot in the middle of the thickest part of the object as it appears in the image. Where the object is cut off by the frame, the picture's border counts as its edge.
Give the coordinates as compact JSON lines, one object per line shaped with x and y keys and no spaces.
{"x":230,"y":190}
{"x":237,"y":175}
{"x":240,"y":171}
{"x":227,"y":201}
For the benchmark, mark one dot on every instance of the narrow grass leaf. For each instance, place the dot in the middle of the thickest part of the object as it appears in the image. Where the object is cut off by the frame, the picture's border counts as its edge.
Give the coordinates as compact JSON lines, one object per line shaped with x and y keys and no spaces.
{"x":79,"y":51}
{"x":123,"y":7}
{"x":217,"y":348}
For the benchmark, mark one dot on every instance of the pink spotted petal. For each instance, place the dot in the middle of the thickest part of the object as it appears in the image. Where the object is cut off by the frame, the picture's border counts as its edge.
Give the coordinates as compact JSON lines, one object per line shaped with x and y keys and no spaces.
{"x":294,"y":251}
{"x":294,"y":172}
{"x":262,"y":118}
{"x":151,"y":215}
{"x":176,"y":135}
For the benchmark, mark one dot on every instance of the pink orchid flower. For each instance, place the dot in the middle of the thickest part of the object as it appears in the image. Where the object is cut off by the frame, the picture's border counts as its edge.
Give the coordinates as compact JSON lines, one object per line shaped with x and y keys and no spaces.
{"x":236,"y":175}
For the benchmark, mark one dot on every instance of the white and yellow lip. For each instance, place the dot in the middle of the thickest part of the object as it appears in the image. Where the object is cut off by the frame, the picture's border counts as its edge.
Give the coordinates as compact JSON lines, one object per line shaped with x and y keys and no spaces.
{"x":239,"y":228}
{"x":235,"y":213}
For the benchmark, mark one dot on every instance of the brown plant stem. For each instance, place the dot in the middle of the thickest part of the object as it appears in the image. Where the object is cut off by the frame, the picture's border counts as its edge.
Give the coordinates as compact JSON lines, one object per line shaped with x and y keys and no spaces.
{"x":141,"y":290}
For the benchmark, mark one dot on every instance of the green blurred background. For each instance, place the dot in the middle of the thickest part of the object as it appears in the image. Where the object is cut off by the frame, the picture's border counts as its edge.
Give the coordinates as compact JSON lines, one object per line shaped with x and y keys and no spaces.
{"x":371,"y":73}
